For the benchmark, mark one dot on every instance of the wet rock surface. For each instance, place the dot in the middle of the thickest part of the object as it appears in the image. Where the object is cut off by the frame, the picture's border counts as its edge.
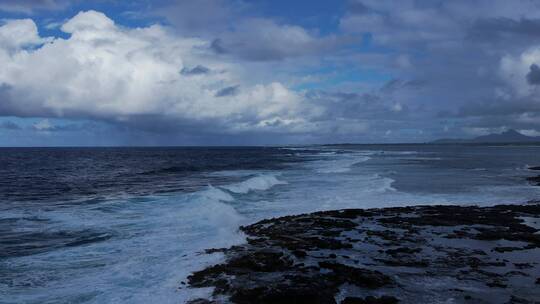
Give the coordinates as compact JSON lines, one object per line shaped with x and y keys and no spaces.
{"x":424,"y":254}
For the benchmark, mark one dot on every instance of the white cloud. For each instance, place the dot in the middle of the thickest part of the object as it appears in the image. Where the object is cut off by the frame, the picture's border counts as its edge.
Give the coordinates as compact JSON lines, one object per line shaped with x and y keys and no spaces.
{"x":104,"y":71}
{"x":16,"y":34}
{"x":530,"y":132}
{"x":43,"y":125}
{"x":514,"y":70}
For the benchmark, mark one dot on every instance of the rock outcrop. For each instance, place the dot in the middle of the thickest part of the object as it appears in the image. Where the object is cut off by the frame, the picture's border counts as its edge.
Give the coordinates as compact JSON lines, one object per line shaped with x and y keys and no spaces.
{"x":424,"y":254}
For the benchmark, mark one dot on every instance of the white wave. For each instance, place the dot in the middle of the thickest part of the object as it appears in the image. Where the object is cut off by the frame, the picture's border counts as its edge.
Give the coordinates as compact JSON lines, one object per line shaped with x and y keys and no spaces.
{"x":299,"y":148}
{"x":329,"y":153}
{"x":386,"y":185}
{"x":259,"y":183}
{"x":156,"y":245}
{"x":422,"y":158}
{"x":402,"y":152}
{"x":215,"y":194}
{"x":340,"y":164}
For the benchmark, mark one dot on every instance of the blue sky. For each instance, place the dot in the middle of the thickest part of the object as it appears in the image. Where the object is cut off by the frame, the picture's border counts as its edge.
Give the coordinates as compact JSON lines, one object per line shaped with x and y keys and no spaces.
{"x":219,"y":72}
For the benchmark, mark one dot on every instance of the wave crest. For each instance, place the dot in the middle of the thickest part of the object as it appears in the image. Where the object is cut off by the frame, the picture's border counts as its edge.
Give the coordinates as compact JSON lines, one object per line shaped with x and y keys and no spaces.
{"x":215,"y":194}
{"x":259,"y":183}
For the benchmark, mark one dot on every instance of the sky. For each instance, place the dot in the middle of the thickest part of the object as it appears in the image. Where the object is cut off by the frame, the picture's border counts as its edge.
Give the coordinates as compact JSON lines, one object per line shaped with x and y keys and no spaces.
{"x":266,"y":72}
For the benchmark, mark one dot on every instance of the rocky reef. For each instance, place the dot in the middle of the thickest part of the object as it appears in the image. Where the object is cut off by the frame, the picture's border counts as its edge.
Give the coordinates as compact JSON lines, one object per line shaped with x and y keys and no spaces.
{"x":534,"y":179}
{"x":423,"y":254}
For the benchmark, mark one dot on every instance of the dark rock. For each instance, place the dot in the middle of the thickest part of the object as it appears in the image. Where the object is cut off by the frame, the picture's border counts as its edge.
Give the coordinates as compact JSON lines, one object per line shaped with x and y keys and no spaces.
{"x":534,"y":180}
{"x":360,"y":277}
{"x":516,"y":273}
{"x":294,"y":259}
{"x":523,"y":265}
{"x":517,"y":300}
{"x":403,"y":250}
{"x":214,"y":250}
{"x":261,"y":262}
{"x":283,"y":295}
{"x":200,"y":301}
{"x":299,"y":253}
{"x":507,"y":249}
{"x":496,"y":283}
{"x":370,"y":300}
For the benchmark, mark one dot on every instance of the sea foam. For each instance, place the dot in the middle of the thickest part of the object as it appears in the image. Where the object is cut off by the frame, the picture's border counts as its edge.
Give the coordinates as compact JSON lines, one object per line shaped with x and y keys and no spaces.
{"x":257,"y":183}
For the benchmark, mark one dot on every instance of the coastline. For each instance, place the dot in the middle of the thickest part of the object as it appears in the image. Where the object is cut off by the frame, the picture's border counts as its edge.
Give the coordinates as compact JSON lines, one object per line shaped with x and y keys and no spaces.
{"x":421,"y":254}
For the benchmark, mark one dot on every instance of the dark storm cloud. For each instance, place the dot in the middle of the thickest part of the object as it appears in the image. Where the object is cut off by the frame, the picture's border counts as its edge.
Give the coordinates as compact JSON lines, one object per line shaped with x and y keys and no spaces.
{"x":504,"y":28}
{"x":8,"y":106}
{"x":533,"y":77}
{"x":370,"y":106}
{"x":263,"y":39}
{"x":201,"y":17}
{"x":234,"y":31}
{"x":217,"y":46}
{"x":155,"y":130}
{"x":197,"y":70}
{"x":498,"y":108}
{"x":9,"y":125}
{"x":356,"y":7}
{"x":455,"y":56}
{"x":228,"y":91}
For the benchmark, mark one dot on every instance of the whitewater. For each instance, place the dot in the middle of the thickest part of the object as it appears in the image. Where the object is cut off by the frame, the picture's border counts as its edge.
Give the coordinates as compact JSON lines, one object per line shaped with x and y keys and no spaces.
{"x":140,"y":246}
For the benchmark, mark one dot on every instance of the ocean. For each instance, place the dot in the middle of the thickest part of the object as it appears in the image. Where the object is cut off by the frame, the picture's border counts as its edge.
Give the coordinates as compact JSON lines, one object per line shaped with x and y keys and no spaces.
{"x":128,"y":225}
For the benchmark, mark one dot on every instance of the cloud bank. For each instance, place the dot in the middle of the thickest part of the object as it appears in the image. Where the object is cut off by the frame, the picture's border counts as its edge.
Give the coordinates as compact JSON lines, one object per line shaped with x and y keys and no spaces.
{"x":226,"y":72}
{"x":107,"y":72}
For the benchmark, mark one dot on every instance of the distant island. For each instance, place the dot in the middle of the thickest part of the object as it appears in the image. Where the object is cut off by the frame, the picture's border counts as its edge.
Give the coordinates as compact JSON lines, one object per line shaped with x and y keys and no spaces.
{"x":510,"y":136}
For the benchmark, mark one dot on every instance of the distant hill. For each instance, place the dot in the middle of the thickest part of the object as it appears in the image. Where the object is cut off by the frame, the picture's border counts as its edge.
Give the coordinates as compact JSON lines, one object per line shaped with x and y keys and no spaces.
{"x":510,"y":136}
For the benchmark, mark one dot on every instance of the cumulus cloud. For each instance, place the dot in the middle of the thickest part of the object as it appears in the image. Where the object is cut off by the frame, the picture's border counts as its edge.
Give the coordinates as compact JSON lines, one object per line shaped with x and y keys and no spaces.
{"x":516,"y":99}
{"x":218,"y":68}
{"x":477,"y":66}
{"x":262,"y":39}
{"x":107,"y":72}
{"x":521,"y":72}
{"x":17,"y":34}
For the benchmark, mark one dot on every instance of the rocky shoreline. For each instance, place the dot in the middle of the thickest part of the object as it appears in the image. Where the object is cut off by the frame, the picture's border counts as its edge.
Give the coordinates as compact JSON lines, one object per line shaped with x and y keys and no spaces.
{"x":421,"y":254}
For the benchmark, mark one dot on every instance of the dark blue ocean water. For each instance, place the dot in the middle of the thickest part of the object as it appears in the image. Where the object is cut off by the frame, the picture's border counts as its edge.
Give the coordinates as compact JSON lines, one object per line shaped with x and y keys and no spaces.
{"x":126,"y":225}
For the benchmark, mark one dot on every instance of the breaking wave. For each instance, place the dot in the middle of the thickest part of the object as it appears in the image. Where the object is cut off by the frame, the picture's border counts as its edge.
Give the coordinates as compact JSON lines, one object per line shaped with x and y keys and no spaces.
{"x":257,"y":183}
